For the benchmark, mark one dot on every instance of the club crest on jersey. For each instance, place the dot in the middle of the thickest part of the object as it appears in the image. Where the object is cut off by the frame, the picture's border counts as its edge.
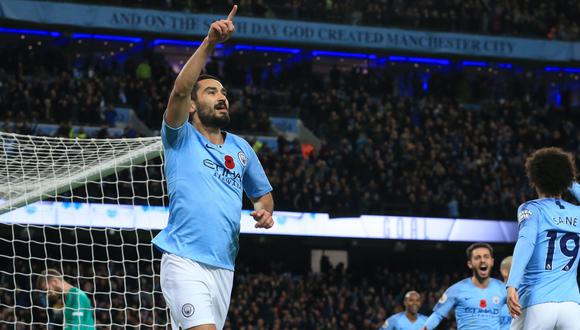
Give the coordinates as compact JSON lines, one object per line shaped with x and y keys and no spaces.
{"x":495,"y":300}
{"x":187,"y":310}
{"x":523,"y":215}
{"x":243,"y":159}
{"x":443,"y":299}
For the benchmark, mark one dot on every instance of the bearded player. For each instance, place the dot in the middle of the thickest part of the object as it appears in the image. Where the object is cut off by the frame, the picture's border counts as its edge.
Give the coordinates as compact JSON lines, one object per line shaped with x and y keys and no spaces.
{"x":207,"y":170}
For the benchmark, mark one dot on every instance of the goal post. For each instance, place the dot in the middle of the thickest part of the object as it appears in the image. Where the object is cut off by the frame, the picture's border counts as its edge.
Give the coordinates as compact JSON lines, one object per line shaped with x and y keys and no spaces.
{"x":89,"y":209}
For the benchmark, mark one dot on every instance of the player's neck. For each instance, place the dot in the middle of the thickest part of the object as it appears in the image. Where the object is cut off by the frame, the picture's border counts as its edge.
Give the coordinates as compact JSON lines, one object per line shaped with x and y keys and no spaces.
{"x":541,"y":195}
{"x":480,"y":283}
{"x":214,"y":135}
{"x":412,"y":317}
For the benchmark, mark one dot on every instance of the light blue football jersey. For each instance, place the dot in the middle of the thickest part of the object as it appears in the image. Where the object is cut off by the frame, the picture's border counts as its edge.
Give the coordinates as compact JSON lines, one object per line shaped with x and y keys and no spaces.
{"x":475,"y":308}
{"x":400,"y":321}
{"x":505,"y":319}
{"x":206,"y":183}
{"x":545,"y":260}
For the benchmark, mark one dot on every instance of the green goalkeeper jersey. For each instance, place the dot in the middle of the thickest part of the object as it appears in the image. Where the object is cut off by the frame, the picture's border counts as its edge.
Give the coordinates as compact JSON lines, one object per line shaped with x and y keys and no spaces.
{"x":78,"y":311}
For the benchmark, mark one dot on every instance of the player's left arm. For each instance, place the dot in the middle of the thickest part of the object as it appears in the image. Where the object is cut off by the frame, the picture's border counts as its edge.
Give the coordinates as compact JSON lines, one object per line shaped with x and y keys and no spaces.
{"x":528,"y":232}
{"x":258,"y":189}
{"x":445,"y":304}
{"x":263,"y":209}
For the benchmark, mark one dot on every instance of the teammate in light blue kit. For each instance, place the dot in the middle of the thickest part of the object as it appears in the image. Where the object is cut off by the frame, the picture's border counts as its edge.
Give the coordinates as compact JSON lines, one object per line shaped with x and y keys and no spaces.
{"x":207,"y":172}
{"x":542,"y":286}
{"x":505,"y":318}
{"x":410,"y":319}
{"x":477,"y":300}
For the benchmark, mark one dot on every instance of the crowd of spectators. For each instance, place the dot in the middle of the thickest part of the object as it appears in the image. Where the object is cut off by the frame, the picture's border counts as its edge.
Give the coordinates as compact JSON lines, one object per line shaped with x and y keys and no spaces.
{"x":455,"y":149}
{"x":431,"y":154}
{"x":540,"y":19}
{"x":49,"y":86}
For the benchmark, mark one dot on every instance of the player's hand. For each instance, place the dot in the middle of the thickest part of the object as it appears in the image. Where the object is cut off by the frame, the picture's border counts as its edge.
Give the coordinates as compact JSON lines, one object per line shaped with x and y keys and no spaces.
{"x":513,"y":302}
{"x":263,"y":219}
{"x":220,"y":31}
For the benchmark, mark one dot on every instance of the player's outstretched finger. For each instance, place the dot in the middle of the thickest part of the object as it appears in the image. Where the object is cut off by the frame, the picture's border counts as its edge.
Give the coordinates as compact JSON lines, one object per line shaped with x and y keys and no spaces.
{"x":232,"y":13}
{"x":223,"y":26}
{"x":230,"y":26}
{"x":216,"y":26}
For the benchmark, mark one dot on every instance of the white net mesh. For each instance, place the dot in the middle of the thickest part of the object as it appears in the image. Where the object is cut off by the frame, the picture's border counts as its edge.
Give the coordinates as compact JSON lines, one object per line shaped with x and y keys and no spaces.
{"x":89,"y":209}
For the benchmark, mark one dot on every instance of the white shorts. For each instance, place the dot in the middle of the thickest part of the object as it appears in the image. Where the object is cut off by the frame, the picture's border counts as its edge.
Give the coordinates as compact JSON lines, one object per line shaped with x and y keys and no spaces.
{"x":195,"y":293}
{"x":549,"y":316}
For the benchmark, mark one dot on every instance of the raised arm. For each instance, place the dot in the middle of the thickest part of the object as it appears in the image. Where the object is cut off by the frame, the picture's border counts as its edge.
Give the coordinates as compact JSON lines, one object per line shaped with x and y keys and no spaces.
{"x":179,"y":103}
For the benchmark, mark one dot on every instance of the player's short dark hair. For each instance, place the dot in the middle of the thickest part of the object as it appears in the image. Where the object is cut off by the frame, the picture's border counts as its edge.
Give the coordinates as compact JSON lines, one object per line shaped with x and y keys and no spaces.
{"x":196,"y":86}
{"x":478,"y":245}
{"x":551,"y":170}
{"x":46,"y":276}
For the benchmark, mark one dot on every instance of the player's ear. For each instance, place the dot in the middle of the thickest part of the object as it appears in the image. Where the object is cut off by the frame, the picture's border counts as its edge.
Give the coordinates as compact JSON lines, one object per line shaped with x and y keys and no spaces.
{"x":469,"y":264}
{"x":192,"y":108}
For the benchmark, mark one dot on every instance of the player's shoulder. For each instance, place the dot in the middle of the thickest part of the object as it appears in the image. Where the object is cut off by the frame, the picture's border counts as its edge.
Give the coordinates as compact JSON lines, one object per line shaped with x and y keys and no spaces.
{"x":466,"y":282}
{"x":240,"y":141}
{"x":528,"y":209}
{"x":422,"y":317}
{"x":392,"y":320}
{"x":455,"y":289}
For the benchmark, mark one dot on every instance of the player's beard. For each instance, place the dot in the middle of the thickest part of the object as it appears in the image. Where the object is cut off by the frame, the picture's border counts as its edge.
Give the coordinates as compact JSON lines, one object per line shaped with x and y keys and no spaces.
{"x":479,"y":277}
{"x":210,"y":117}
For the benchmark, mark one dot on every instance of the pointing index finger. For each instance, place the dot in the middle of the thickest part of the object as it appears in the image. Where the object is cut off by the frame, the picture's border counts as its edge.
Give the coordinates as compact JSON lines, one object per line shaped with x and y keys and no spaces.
{"x":232,"y":13}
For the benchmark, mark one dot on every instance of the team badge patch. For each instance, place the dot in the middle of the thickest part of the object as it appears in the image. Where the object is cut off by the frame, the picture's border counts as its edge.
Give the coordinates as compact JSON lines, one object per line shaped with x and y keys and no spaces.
{"x":495,"y":300}
{"x":443,"y":299}
{"x":523,"y":215}
{"x":243,"y":159}
{"x":187,"y":310}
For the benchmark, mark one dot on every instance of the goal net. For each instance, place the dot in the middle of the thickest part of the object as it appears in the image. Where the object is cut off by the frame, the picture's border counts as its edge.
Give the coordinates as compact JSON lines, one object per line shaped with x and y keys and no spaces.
{"x":89,"y":209}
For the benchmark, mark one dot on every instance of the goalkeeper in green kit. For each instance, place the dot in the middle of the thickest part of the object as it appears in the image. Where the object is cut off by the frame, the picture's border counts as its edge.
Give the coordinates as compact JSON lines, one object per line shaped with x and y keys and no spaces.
{"x":78,"y":311}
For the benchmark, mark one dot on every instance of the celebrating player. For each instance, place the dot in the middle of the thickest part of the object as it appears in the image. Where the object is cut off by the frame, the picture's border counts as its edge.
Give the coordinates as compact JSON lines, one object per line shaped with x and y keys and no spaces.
{"x":207,"y":171}
{"x":478,"y":299}
{"x":78,"y":312}
{"x":410,"y":319}
{"x":542,"y":286}
{"x":505,"y":317}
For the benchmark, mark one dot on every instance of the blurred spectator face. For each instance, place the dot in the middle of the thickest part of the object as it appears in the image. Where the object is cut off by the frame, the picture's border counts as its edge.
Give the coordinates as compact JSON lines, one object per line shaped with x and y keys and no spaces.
{"x":481,"y":263}
{"x":211,"y":104}
{"x":412,"y":302}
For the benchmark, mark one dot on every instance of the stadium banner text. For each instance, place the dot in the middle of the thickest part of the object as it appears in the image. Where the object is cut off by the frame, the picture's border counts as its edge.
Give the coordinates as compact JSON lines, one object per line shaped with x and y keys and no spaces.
{"x":287,"y":31}
{"x":287,"y":223}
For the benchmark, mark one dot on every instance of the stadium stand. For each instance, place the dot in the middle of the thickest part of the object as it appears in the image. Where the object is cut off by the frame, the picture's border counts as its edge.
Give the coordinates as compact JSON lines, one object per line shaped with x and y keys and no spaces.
{"x":543,"y":19}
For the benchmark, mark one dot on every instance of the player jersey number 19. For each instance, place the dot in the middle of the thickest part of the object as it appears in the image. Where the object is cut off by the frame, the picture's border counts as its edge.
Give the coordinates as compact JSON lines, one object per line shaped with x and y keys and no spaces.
{"x":568,"y":252}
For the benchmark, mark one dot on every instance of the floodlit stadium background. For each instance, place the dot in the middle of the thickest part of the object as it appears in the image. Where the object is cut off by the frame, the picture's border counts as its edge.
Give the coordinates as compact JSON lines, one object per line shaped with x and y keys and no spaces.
{"x":393,"y":134}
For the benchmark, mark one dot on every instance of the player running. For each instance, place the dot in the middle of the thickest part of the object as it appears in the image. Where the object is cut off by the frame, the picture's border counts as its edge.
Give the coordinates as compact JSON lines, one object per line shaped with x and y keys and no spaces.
{"x":410,"y":319}
{"x":542,"y":286}
{"x":477,"y":300}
